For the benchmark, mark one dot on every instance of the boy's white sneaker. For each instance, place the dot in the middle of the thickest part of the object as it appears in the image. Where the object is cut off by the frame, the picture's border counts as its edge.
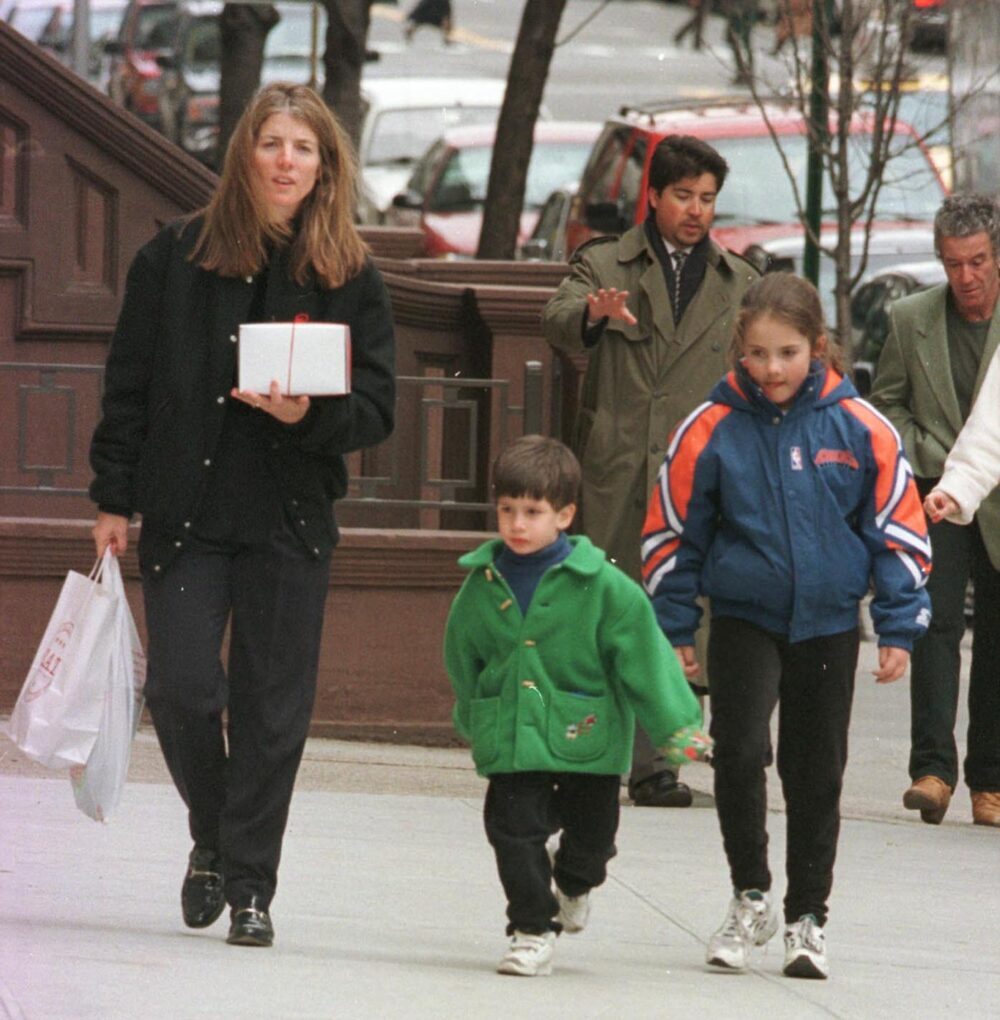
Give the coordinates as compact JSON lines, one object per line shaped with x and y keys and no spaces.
{"x":528,"y":955}
{"x":805,"y":949}
{"x":750,"y":921}
{"x":573,"y":911}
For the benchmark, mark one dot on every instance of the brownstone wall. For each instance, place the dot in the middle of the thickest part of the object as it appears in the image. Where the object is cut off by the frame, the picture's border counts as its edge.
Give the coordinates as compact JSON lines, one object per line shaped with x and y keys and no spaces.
{"x":380,"y":673}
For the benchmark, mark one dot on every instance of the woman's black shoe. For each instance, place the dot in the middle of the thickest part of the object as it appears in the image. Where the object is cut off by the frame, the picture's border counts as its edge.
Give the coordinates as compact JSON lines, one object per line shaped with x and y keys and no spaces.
{"x":250,"y":924}
{"x":203,"y":892}
{"x":663,"y":789}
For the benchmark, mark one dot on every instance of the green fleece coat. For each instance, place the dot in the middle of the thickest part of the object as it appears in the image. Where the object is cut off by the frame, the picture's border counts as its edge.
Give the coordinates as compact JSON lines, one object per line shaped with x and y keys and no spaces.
{"x":558,"y":690}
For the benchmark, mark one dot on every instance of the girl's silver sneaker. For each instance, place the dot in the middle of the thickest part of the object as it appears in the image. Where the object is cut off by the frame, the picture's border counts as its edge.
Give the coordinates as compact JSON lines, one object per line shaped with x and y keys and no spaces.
{"x":805,"y":949}
{"x":750,"y":921}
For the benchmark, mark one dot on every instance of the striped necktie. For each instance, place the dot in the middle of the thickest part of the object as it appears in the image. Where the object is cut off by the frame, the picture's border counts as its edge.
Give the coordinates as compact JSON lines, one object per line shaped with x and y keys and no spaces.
{"x":677,"y":257}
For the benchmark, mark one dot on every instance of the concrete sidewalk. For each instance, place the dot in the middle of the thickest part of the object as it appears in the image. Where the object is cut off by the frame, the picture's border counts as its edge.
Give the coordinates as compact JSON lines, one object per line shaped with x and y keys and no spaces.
{"x":389,"y":905}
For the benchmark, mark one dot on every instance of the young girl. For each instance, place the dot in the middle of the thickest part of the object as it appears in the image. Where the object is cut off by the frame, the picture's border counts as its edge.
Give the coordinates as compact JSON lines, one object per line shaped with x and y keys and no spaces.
{"x":780,"y":499}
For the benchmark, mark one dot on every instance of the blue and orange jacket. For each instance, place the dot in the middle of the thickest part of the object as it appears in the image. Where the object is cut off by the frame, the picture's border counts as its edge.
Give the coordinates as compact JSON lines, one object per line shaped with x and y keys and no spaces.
{"x":784,"y":519}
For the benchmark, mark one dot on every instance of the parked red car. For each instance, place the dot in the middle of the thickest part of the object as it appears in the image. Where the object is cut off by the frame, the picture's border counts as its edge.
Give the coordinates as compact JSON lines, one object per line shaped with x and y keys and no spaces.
{"x":757,"y":201}
{"x":148,"y":30}
{"x":447,"y":189}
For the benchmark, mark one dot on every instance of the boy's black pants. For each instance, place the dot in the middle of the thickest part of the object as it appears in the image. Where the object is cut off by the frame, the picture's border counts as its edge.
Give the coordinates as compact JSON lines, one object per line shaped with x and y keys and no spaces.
{"x":236,"y":778}
{"x":522,"y":810}
{"x":752,"y":670}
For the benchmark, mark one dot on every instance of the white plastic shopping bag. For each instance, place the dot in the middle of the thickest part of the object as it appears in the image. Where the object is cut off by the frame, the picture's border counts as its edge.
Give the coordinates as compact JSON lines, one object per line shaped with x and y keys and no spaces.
{"x":59,"y":710}
{"x":98,"y":785}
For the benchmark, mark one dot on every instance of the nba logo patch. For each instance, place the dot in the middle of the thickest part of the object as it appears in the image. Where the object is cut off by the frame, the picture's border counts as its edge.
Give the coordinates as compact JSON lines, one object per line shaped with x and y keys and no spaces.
{"x":796,"y":458}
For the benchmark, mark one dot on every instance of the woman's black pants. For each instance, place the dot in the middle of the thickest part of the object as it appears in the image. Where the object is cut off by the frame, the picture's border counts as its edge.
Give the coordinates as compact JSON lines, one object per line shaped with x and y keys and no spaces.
{"x":751,"y":671}
{"x":236,"y":773}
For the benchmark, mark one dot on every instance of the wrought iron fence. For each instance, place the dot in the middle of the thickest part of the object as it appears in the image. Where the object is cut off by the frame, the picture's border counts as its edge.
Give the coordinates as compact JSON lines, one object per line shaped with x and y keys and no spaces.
{"x":448,"y":430}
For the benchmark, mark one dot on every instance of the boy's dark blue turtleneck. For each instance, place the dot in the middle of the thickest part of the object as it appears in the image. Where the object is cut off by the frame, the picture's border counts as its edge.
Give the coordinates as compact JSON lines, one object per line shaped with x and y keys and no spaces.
{"x":522,"y":573}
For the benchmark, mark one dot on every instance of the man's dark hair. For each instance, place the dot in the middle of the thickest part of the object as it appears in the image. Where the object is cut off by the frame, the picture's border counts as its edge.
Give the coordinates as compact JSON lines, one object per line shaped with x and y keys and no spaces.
{"x":677,"y":157}
{"x":538,"y":467}
{"x":965,"y":215}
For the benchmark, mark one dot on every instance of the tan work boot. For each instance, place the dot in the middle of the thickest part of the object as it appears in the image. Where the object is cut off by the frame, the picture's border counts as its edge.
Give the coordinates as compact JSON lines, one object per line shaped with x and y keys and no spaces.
{"x":986,"y":807}
{"x":931,"y":797}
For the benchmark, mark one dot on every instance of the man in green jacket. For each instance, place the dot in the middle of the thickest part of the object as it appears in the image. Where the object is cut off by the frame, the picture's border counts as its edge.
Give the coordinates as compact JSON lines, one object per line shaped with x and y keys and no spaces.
{"x":940,"y":344}
{"x":552,"y":653}
{"x":657,"y":338}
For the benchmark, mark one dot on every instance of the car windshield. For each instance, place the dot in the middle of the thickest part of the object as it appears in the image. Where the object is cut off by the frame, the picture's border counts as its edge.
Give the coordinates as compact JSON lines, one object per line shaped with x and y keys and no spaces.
{"x":105,"y":21}
{"x":34,"y":21}
{"x":203,"y":44}
{"x":463,"y":182}
{"x":292,"y":36}
{"x":910,"y":188}
{"x":155,"y":27}
{"x":927,"y":112}
{"x":402,"y":136}
{"x":53,"y":26}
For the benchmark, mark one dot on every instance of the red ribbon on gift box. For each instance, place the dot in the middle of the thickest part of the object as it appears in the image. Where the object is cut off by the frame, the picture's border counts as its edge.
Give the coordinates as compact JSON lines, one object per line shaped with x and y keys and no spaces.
{"x":301,"y":317}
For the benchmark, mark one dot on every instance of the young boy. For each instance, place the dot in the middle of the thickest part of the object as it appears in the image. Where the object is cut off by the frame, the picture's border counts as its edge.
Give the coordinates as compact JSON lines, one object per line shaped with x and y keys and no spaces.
{"x":552,"y":652}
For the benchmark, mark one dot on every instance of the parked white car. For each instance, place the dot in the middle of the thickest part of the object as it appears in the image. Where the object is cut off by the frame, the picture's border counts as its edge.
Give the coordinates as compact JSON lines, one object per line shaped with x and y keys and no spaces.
{"x":402,"y":117}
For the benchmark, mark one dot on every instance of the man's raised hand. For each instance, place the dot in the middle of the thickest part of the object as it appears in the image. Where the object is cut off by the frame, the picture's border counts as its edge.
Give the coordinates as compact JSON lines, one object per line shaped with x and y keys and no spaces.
{"x":609,"y":303}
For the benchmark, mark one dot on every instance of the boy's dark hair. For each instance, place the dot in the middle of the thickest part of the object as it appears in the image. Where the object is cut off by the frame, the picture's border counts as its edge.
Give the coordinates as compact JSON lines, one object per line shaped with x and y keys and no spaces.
{"x":539,"y":467}
{"x":677,"y":157}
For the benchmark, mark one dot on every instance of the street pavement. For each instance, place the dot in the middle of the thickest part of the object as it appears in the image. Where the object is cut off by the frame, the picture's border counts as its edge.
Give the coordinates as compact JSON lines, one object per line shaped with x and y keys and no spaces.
{"x":389,"y":905}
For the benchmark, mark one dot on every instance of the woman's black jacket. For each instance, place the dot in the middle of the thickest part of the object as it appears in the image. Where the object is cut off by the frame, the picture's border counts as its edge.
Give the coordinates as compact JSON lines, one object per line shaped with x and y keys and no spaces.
{"x":170,"y":369}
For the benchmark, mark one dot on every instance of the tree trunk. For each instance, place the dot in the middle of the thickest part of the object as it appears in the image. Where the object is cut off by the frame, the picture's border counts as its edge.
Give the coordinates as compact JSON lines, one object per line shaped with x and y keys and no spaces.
{"x":529,"y":69}
{"x":344,"y":58}
{"x":243,"y":29}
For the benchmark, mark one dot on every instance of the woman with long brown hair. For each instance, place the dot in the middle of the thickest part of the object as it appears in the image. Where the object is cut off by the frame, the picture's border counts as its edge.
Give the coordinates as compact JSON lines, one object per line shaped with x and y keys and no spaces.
{"x":236,"y":488}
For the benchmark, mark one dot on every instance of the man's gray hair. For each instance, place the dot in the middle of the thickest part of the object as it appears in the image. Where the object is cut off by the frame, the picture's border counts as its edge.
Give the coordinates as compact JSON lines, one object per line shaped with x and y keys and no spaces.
{"x":965,"y":215}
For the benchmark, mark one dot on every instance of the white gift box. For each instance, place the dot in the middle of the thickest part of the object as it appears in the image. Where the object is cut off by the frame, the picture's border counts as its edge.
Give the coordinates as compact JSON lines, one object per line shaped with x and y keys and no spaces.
{"x":306,"y":358}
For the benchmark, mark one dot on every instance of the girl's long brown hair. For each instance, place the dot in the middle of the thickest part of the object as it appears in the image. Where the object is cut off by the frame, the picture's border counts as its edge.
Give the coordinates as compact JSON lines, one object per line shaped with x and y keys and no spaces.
{"x":795,"y":302}
{"x":238,"y":232}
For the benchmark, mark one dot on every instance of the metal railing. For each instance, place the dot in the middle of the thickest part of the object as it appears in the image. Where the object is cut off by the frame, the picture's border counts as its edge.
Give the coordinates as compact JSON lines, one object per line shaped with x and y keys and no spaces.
{"x":448,"y":430}
{"x":50,"y":385}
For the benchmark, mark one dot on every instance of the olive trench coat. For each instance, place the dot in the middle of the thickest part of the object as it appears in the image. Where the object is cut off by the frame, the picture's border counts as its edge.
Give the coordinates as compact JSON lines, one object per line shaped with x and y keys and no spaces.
{"x":641,"y":380}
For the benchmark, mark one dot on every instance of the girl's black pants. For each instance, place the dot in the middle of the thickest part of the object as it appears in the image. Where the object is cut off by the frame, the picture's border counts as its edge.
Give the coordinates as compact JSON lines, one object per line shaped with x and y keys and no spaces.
{"x":812,"y":682}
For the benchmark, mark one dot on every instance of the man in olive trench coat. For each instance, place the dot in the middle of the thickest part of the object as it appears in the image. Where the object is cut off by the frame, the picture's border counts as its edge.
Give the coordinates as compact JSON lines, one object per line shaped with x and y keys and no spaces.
{"x":655,"y":310}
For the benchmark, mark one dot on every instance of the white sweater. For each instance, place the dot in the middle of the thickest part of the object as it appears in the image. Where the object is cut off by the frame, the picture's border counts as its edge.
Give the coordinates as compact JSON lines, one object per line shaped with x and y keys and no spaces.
{"x":972,"y":469}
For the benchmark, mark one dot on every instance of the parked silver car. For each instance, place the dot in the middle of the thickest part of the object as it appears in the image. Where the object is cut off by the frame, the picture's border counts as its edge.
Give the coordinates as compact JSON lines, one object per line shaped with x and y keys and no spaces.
{"x":870,"y":306}
{"x":887,"y":245}
{"x":402,"y":117}
{"x":547,"y":242}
